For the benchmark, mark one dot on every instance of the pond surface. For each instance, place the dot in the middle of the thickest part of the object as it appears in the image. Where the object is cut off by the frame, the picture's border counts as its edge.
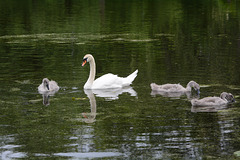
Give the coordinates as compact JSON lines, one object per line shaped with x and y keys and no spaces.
{"x":167,"y":41}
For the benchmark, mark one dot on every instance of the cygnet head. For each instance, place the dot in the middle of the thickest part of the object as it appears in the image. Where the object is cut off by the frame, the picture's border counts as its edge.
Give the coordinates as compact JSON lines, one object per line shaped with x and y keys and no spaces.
{"x":228,"y":97}
{"x":154,"y":86}
{"x":45,"y":82}
{"x":193,"y":84}
{"x":87,"y":58}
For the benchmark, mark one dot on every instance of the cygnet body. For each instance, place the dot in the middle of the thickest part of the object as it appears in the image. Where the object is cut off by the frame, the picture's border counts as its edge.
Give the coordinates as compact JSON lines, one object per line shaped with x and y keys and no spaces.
{"x":175,"y":87}
{"x":48,"y":86}
{"x":224,"y":99}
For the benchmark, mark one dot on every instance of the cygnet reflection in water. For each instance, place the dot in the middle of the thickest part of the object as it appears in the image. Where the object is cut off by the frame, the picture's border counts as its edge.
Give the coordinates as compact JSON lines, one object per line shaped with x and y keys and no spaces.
{"x":46,"y":97}
{"x":46,"y":100}
{"x":208,"y":108}
{"x":190,"y":95}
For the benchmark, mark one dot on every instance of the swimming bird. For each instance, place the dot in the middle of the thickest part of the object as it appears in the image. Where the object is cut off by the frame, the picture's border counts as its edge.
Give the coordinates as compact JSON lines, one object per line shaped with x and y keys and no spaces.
{"x":48,"y":86}
{"x":224,"y":99}
{"x":175,"y":87}
{"x":106,"y":81}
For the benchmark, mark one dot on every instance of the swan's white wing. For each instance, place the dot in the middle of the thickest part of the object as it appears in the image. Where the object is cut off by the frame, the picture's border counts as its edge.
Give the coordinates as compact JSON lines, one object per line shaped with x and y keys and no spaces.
{"x":108,"y":81}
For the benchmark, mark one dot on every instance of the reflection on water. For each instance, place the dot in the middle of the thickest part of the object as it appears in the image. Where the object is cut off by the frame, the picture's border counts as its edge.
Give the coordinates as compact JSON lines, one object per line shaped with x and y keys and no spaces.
{"x":112,"y":94}
{"x":46,"y":100}
{"x":90,"y":117}
{"x":46,"y":96}
{"x":108,"y":94}
{"x":190,"y":95}
{"x":208,"y":108}
{"x":89,"y":155}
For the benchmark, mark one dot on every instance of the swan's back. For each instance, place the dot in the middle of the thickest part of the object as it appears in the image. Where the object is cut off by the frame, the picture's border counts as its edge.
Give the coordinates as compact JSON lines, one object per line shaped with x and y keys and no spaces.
{"x":113,"y":81}
{"x":107,"y":81}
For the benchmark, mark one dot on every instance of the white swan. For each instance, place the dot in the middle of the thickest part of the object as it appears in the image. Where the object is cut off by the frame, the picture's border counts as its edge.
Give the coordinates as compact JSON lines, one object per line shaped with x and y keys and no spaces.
{"x":106,"y":81}
{"x":48,"y":86}
{"x":224,"y":99}
{"x":175,"y":87}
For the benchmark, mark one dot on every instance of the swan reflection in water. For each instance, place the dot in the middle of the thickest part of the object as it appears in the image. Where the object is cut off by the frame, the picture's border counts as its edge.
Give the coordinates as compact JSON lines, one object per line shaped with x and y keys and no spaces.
{"x":90,"y":117}
{"x":108,"y":94}
{"x":112,"y":94}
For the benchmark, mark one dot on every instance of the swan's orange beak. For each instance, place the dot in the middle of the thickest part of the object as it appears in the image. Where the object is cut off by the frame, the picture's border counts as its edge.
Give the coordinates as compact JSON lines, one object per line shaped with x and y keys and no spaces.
{"x":84,"y":62}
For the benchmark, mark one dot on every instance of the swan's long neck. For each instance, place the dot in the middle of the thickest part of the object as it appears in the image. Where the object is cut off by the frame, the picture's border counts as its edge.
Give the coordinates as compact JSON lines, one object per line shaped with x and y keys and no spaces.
{"x":92,"y":73}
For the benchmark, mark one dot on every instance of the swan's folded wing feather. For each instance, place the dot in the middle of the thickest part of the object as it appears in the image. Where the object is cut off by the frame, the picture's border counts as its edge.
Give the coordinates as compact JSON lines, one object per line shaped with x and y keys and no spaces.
{"x":108,"y":81}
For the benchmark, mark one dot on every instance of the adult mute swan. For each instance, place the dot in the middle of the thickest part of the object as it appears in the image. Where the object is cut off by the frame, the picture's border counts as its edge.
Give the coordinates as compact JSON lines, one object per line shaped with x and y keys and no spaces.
{"x":48,"y":86}
{"x":106,"y":81}
{"x":175,"y":87}
{"x":224,"y":99}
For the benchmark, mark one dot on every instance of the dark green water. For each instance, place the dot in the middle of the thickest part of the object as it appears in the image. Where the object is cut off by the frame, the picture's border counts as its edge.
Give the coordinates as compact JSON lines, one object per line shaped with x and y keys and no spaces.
{"x":167,"y":41}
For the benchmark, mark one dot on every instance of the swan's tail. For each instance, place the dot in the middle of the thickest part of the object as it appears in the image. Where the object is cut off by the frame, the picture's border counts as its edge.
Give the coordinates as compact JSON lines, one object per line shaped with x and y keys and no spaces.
{"x":129,"y":79}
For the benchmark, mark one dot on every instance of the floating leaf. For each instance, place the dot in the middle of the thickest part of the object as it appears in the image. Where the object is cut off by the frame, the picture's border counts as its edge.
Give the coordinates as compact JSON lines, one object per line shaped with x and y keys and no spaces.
{"x":76,"y":99}
{"x":15,"y":89}
{"x":35,"y":100}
